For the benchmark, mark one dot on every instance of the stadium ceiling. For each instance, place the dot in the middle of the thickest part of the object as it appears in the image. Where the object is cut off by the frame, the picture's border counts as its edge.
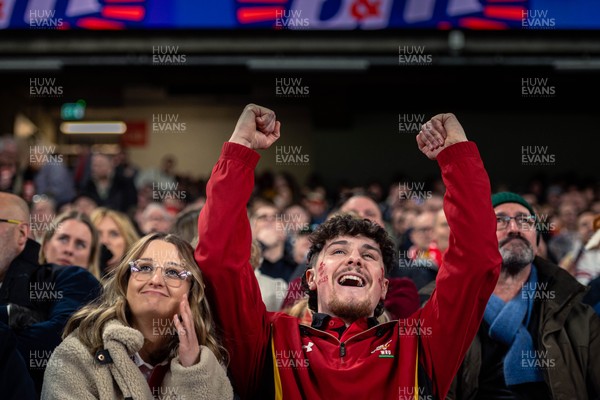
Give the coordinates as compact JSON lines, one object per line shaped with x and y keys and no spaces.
{"x":300,"y":50}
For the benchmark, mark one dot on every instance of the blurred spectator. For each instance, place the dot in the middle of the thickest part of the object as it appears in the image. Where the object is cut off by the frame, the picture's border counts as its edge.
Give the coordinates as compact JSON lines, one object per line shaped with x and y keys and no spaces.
{"x":186,"y":224}
{"x":583,"y":261}
{"x":173,"y":205}
{"x":53,"y":177}
{"x":272,"y":290}
{"x":434,"y":203}
{"x":123,"y":165}
{"x":81,"y":173}
{"x":71,"y":239}
{"x":421,"y":235}
{"x":107,"y":188}
{"x":43,"y":212}
{"x":402,"y":221}
{"x":419,"y":262}
{"x":585,"y":230}
{"x":83,"y":204}
{"x":144,"y":199}
{"x":287,"y":190}
{"x":364,"y":207}
{"x":11,"y":176}
{"x":155,"y":218}
{"x":560,"y":244}
{"x":269,"y":230}
{"x":375,"y":191}
{"x":295,"y":219}
{"x":164,"y":176}
{"x":595,"y":207}
{"x":402,"y":298}
{"x":35,"y":300}
{"x":316,"y":205}
{"x":300,"y":251}
{"x":553,"y":194}
{"x":441,"y":235}
{"x":117,"y":235}
{"x":592,"y":297}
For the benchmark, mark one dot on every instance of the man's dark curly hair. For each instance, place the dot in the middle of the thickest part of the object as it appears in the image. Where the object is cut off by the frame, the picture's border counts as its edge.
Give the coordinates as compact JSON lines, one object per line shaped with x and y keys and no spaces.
{"x":348,"y":225}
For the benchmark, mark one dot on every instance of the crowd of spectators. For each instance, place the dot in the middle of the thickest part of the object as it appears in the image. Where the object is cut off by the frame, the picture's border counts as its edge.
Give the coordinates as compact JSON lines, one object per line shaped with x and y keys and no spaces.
{"x":90,"y":214}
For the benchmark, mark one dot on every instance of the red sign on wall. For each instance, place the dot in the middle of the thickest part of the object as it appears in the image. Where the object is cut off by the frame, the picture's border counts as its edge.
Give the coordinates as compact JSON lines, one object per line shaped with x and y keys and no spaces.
{"x":136,"y":135}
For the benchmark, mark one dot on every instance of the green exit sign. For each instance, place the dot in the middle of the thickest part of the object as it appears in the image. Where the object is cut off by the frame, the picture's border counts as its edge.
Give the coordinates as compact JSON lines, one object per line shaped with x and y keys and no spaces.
{"x":73,"y":111}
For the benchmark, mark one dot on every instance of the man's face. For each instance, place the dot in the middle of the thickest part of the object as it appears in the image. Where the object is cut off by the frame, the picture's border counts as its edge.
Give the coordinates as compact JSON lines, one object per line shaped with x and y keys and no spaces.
{"x":585,"y":226}
{"x":402,"y":220}
{"x":349,"y":277}
{"x":568,"y":214}
{"x":517,"y":244}
{"x":265,"y":217}
{"x":296,"y":218}
{"x":85,"y":205}
{"x":268,"y":226}
{"x":441,"y":230}
{"x":8,"y":243}
{"x":101,"y":166}
{"x":13,"y":236}
{"x":365,"y":208}
{"x":421,"y":234}
{"x":157,"y":221}
{"x":301,"y":248}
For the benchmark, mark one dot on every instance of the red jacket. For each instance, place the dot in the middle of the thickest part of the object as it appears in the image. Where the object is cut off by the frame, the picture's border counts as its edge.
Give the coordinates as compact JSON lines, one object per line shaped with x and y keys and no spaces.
{"x":272,"y":353}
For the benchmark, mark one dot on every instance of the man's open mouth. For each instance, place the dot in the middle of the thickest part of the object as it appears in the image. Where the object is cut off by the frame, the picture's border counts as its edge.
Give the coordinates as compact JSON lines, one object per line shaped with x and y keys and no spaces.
{"x":351,"y":280}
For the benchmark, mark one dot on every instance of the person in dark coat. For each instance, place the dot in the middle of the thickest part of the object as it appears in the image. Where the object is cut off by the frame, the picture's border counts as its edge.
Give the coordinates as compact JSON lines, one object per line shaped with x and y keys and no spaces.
{"x":35,"y":300}
{"x":15,"y":382}
{"x":537,"y":339}
{"x":108,"y":188}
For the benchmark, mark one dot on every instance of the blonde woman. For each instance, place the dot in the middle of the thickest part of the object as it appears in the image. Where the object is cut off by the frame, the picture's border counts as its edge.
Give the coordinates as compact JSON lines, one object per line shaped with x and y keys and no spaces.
{"x":149,"y":335}
{"x":71,"y":239}
{"x":117,"y":234}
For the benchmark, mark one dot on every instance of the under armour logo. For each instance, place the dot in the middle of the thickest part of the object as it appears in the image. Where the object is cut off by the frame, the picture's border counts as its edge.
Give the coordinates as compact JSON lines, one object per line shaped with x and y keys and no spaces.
{"x":308,"y":347}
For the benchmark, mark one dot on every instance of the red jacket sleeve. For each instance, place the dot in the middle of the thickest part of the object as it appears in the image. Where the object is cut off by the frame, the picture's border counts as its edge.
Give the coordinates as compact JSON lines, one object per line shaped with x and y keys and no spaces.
{"x":223,"y":254}
{"x":470,"y":267}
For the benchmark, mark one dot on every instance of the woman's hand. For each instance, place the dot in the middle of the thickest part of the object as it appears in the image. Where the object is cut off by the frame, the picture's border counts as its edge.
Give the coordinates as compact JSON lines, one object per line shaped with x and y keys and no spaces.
{"x":189,"y":349}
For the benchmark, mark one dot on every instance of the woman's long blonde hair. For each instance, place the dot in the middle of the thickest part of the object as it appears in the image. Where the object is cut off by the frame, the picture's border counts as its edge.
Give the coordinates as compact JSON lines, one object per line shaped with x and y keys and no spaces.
{"x":93,"y":265}
{"x":112,"y":304}
{"x":124,"y":224}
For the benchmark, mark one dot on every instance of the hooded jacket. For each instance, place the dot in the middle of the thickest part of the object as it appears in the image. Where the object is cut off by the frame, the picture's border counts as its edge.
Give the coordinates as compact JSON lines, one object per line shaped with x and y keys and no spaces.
{"x":274,"y":356}
{"x":74,"y":373}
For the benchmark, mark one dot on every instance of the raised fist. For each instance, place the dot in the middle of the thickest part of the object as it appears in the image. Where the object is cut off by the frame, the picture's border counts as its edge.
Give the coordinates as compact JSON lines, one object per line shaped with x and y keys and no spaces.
{"x":257,"y":128}
{"x":440,"y":132}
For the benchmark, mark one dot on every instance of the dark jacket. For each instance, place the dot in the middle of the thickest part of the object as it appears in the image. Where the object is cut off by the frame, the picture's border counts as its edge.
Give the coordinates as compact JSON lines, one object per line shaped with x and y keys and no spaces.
{"x":53,"y":293}
{"x":568,"y":330}
{"x":122,"y":194}
{"x":15,"y":382}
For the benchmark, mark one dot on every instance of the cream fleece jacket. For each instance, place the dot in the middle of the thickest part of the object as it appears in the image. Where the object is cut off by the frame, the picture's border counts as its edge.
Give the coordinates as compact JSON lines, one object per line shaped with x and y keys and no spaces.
{"x":73,"y":373}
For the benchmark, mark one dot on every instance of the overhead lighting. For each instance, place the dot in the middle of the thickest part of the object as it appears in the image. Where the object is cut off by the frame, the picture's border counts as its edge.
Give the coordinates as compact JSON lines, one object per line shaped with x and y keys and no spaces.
{"x":24,"y":128}
{"x":317,"y":64}
{"x":94,"y":128}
